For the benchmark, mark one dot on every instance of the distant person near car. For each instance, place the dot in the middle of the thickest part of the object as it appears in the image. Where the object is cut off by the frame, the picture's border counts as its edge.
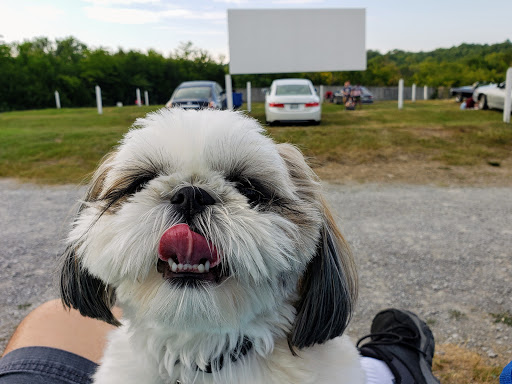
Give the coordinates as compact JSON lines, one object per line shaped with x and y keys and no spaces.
{"x":469,"y":103}
{"x":356,"y":95}
{"x":346,"y":91}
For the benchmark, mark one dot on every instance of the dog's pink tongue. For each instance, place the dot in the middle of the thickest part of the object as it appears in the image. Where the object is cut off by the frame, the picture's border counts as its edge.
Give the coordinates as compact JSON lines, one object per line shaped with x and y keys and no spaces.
{"x":189,"y":247}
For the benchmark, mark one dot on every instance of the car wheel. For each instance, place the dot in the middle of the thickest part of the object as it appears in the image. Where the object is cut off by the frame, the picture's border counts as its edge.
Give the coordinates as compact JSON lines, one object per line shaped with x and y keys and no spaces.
{"x":459,"y":98}
{"x":482,"y":102}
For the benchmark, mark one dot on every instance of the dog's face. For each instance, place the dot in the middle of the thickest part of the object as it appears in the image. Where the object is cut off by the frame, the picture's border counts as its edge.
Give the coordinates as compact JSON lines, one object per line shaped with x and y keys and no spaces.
{"x":200,"y":222}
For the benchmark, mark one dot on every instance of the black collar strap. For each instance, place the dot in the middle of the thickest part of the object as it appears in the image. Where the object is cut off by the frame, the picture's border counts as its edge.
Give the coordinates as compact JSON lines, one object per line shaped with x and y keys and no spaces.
{"x":240,"y":351}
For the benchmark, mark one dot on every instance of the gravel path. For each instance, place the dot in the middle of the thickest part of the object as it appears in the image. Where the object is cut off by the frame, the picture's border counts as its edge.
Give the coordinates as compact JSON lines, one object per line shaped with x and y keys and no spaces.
{"x":444,"y":253}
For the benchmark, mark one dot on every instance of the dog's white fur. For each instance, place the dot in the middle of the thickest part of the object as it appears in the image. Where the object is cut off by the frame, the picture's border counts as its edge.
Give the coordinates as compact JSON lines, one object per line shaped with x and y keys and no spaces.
{"x":291,"y":284}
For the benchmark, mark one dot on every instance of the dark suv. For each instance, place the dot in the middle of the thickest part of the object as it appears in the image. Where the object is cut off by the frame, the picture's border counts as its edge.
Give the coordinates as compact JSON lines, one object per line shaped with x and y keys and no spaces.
{"x":197,"y":95}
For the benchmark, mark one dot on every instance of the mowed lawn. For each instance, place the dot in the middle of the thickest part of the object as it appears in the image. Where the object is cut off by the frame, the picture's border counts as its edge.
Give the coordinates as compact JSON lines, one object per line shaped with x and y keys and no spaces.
{"x":64,"y":146}
{"x":425,"y":130}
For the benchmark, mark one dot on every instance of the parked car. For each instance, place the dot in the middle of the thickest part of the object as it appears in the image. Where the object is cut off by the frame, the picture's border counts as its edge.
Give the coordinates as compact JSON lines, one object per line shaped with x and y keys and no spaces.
{"x":366,"y":96}
{"x":461,"y":93}
{"x":478,"y":91}
{"x":292,"y":100}
{"x":492,"y":96}
{"x":197,"y":95}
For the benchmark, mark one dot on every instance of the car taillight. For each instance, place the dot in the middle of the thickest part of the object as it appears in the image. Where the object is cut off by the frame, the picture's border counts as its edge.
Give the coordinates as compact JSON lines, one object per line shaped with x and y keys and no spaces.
{"x":311,"y":105}
{"x":276,"y":105}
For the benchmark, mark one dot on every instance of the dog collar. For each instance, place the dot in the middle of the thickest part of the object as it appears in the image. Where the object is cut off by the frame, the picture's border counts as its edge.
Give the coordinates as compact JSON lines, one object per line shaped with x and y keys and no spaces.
{"x":240,"y":351}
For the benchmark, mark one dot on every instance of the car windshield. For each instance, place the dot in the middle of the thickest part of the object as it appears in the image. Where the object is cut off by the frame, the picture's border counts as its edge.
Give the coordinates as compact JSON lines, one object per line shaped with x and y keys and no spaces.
{"x":193,"y":93}
{"x":293,"y":89}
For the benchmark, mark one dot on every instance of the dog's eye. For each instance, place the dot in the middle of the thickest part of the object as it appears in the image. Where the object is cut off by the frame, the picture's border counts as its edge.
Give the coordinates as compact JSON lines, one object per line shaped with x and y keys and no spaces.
{"x":138,"y":184}
{"x":254,"y":191}
{"x":131,"y":186}
{"x":127,"y":186}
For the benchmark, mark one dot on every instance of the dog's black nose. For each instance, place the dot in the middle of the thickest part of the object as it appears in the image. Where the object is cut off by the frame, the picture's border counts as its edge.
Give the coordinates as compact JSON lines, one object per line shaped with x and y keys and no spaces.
{"x":191,"y":200}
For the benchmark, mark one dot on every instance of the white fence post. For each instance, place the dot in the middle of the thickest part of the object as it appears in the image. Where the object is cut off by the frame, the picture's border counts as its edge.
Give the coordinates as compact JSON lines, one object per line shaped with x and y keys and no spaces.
{"x":229,"y":92}
{"x":413,"y":93}
{"x":146,"y":97}
{"x":249,"y":98}
{"x":321,"y":94}
{"x":400,"y":94}
{"x":508,"y":89}
{"x":137,"y":93}
{"x":57,"y":99}
{"x":425,"y":92}
{"x":98,"y":100}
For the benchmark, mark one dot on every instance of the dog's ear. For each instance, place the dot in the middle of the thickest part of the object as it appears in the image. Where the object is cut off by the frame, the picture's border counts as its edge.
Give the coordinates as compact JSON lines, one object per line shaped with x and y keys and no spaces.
{"x":327,"y":292}
{"x":86,"y":293}
{"x":78,"y":288}
{"x":328,"y":288}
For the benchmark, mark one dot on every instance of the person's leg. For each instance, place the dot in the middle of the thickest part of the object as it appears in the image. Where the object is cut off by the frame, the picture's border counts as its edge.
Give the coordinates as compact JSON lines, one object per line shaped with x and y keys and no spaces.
{"x":52,"y":325}
{"x":376,"y":371}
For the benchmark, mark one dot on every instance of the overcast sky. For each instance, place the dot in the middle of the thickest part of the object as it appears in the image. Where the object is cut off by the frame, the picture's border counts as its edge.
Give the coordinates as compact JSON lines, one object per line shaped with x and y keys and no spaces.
{"x":162,"y":24}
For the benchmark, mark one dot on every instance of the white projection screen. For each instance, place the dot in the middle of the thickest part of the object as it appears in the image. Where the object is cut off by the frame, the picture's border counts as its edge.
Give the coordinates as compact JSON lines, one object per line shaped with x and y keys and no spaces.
{"x":296,"y":40}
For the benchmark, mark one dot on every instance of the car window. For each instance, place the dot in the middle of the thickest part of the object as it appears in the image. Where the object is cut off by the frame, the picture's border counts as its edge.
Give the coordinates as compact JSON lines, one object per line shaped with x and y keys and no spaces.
{"x":293,"y":89}
{"x":193,"y":93}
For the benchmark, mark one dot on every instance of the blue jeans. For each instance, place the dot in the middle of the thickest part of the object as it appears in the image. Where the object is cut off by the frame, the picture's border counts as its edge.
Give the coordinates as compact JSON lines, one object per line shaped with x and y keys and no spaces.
{"x":44,"y":365}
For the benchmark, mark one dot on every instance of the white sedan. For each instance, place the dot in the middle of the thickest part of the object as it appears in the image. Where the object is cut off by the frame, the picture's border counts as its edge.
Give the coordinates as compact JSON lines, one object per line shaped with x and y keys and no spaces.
{"x":292,"y":100}
{"x":491,"y":97}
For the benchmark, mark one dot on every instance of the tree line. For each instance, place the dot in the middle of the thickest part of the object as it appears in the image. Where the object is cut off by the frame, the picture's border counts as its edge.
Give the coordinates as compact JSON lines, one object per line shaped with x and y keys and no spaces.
{"x":32,"y":70}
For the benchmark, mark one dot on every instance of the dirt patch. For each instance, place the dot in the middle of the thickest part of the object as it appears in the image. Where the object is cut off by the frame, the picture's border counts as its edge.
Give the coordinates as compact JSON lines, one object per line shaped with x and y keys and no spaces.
{"x":430,"y":131}
{"x":497,"y":174}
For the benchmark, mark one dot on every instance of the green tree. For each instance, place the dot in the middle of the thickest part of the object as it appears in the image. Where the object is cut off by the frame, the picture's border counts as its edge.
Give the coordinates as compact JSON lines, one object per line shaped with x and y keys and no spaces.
{"x":32,"y":70}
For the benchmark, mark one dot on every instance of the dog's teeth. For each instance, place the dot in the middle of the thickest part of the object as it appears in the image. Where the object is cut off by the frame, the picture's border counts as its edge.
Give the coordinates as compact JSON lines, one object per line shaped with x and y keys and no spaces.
{"x":200,"y":268}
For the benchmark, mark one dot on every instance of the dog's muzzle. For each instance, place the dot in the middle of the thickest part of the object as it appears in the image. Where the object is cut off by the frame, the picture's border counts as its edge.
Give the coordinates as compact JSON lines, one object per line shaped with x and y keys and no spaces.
{"x":186,"y":256}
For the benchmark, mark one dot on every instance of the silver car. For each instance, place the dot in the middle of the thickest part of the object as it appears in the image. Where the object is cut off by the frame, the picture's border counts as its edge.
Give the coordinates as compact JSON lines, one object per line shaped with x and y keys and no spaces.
{"x":490,"y":97}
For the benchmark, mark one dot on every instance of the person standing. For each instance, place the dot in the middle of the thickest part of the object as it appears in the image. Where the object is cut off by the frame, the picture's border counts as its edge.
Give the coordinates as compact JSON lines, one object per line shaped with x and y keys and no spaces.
{"x":356,"y":95}
{"x":347,"y":90}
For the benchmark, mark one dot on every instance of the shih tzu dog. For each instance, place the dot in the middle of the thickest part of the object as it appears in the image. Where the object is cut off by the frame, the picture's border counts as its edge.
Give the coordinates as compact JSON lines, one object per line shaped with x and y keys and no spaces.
{"x":218,"y":247}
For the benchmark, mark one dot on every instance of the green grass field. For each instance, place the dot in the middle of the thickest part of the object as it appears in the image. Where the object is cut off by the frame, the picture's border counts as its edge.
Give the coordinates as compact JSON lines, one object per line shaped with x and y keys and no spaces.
{"x":432,"y":130}
{"x":64,"y":146}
